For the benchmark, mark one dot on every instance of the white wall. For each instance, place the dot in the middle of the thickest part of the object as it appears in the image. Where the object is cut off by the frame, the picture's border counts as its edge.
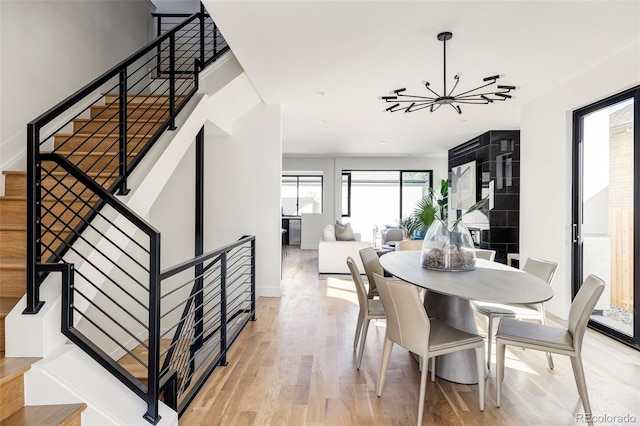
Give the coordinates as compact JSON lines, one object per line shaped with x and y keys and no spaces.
{"x":332,"y":169}
{"x":545,"y":169}
{"x":50,"y":49}
{"x":176,"y":6}
{"x":242,"y":181}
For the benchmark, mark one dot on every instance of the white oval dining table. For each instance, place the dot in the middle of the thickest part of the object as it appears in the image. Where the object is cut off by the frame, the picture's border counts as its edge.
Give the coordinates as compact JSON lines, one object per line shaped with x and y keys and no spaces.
{"x":449,"y":294}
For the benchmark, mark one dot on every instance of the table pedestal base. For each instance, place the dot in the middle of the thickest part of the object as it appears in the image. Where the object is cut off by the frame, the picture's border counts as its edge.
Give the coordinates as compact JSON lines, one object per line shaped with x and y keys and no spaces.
{"x":459,"y":367}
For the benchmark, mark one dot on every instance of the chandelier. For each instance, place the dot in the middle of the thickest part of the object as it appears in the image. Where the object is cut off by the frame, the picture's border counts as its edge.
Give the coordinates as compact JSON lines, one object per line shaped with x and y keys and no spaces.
{"x":410,"y":103}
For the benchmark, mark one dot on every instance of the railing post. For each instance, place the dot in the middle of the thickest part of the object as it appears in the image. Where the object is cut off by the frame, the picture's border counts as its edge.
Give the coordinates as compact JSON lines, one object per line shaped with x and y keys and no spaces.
{"x":123,"y":118}
{"x":153,"y":378}
{"x":202,"y":61}
{"x":172,"y":82}
{"x":199,"y":239}
{"x":223,"y":310}
{"x":68,"y":281}
{"x":33,"y":219}
{"x":159,"y":50}
{"x":253,"y":279}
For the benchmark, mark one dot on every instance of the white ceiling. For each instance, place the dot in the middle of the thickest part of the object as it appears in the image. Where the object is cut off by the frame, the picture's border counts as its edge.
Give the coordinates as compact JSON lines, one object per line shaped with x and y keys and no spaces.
{"x":357,"y":51}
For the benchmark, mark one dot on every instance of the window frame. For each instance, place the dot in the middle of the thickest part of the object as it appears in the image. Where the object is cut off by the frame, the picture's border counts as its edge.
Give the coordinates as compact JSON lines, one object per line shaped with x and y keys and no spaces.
{"x":297,"y":178}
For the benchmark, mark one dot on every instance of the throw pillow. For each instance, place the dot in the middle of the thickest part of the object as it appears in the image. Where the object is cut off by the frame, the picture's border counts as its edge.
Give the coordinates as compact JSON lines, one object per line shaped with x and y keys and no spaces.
{"x":328,"y":233}
{"x":344,"y":232}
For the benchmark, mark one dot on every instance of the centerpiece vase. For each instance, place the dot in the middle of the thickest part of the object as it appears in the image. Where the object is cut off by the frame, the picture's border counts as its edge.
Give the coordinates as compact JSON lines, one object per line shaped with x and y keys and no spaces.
{"x":445,"y":249}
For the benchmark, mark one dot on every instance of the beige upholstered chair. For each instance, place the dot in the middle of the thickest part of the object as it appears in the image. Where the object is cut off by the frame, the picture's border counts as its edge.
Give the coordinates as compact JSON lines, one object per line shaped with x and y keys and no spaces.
{"x":391,"y":234}
{"x":542,"y":269}
{"x":486,"y":254}
{"x":564,"y":341}
{"x":409,"y":245}
{"x":371,"y":263}
{"x":369,"y":309}
{"x":409,"y":326}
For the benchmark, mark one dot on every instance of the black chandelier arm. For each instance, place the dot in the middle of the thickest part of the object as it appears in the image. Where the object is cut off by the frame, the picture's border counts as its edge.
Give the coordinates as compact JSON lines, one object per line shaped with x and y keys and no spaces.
{"x":477,"y":88}
{"x":424,"y":106}
{"x":454,"y":86}
{"x":474,"y":101}
{"x":426,"y":84}
{"x":456,"y":108}
{"x":411,"y":98}
{"x":472,"y":95}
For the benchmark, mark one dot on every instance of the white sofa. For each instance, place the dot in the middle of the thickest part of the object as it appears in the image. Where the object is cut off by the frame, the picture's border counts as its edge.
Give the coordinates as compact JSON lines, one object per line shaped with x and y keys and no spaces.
{"x":332,"y":254}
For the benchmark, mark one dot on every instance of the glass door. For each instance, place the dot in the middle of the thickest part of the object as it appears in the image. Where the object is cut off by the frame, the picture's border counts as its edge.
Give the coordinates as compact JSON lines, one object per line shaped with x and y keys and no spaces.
{"x":605,"y":212}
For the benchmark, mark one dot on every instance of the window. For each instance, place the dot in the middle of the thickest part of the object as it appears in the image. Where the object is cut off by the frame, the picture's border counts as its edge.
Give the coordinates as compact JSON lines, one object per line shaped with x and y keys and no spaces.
{"x":301,"y":194}
{"x":373,"y":198}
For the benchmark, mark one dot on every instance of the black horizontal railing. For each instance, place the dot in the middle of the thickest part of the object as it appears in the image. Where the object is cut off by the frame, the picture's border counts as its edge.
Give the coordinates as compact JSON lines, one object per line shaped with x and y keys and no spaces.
{"x":79,"y":155}
{"x":205,"y":302}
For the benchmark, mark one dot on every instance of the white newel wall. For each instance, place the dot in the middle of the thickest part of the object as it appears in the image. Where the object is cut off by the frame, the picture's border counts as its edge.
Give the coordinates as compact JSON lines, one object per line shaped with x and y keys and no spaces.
{"x":242,"y":181}
{"x":546,"y":152}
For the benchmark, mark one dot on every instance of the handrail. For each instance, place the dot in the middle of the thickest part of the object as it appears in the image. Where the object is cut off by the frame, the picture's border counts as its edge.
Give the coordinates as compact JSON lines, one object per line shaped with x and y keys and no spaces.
{"x":70,"y":101}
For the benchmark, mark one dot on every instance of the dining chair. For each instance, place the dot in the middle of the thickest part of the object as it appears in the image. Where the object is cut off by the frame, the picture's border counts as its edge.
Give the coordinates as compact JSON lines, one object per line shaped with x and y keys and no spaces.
{"x":369,"y":309}
{"x":485,"y":254}
{"x":409,"y":245}
{"x":371,"y":263}
{"x":543,"y":269}
{"x":409,"y":326}
{"x":564,"y":341}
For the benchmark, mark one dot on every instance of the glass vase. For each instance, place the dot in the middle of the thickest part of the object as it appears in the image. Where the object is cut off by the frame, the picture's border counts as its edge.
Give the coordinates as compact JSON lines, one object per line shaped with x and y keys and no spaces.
{"x":445,"y":249}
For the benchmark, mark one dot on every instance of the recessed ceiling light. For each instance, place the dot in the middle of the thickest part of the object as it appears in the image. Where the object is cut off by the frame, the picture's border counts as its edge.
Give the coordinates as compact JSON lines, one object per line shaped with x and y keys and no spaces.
{"x":321,"y":93}
{"x":323,"y":121}
{"x":383,"y":142}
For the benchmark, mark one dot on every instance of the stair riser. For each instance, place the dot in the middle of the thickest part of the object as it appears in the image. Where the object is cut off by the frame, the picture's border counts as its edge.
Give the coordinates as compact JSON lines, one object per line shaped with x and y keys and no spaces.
{"x":14,"y":243}
{"x":140,"y":128}
{"x":13,"y":282}
{"x":96,"y":143}
{"x":14,"y":212}
{"x":135,"y":111}
{"x":16,"y":185}
{"x":12,"y":392}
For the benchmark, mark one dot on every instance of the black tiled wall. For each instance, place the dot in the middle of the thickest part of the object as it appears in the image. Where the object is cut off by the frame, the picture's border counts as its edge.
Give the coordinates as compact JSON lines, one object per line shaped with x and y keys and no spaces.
{"x":504,"y":218}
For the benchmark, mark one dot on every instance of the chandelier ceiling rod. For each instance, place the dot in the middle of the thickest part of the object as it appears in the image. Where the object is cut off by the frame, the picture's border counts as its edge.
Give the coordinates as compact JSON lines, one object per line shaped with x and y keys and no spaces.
{"x":418,"y":102}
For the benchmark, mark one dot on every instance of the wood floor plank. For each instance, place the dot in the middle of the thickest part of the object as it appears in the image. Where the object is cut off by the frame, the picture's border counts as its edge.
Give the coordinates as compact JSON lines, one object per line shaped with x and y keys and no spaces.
{"x":295,"y":365}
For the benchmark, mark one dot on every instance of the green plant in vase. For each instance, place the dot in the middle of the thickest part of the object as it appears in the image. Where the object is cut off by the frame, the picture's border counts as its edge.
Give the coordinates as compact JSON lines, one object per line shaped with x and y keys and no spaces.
{"x":447,"y":245}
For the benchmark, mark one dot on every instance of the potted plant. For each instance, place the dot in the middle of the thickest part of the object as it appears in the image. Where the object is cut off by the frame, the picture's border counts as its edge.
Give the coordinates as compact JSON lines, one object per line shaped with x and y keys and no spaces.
{"x":409,"y":225}
{"x":447,"y":245}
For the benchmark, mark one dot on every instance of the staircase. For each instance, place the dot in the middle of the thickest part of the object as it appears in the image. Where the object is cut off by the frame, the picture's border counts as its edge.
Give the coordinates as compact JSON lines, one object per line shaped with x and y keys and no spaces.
{"x":15,"y":413}
{"x":94,"y":148}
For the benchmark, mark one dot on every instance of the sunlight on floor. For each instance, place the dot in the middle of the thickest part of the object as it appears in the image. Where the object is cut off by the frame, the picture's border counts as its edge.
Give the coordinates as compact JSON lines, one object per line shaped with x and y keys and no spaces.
{"x":342,"y":289}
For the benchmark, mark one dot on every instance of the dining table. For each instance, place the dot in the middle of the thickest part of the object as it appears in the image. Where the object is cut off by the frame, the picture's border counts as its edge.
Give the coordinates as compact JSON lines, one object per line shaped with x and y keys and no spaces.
{"x":449,"y":294}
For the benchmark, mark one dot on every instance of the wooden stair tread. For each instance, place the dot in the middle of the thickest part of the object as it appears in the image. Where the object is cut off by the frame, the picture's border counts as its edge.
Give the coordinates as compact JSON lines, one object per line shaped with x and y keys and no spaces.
{"x":11,"y":368}
{"x":44,"y":414}
{"x":12,"y":227}
{"x":8,"y":262}
{"x":130,"y":120}
{"x":6,"y":304}
{"x":63,"y":173}
{"x":133,"y":366}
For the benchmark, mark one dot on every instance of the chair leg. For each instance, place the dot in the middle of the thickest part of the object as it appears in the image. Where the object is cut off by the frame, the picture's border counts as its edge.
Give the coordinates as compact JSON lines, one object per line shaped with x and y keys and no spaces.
{"x":578,"y":372}
{"x":480,"y":366}
{"x":500,"y":347}
{"x":363,"y":338}
{"x":423,"y":388}
{"x":543,"y":320}
{"x":433,"y":368}
{"x":358,"y":330}
{"x":386,"y":355}
{"x":489,"y":338}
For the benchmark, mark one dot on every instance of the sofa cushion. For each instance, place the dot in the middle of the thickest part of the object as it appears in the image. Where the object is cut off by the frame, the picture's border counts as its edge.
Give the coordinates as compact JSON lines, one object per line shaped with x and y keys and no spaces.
{"x":328,"y":233}
{"x":344,"y":232}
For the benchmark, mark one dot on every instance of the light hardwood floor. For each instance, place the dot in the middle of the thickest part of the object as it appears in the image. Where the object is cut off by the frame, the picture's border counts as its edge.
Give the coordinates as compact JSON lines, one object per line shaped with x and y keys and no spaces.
{"x":295,"y":366}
